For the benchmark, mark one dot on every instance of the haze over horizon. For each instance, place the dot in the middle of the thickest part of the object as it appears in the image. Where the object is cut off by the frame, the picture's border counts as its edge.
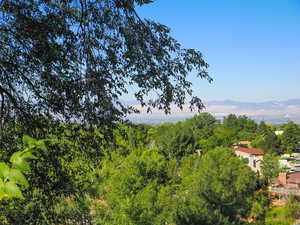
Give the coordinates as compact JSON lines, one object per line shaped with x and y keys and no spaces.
{"x":275,"y":112}
{"x":253,"y":47}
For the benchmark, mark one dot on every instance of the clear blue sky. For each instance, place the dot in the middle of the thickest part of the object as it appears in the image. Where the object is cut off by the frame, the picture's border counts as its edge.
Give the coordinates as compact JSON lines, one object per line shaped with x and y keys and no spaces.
{"x":252,"y":46}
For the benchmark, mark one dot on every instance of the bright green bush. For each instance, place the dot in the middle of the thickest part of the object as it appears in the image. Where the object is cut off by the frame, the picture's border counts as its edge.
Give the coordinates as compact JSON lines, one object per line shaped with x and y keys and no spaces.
{"x":12,"y":178}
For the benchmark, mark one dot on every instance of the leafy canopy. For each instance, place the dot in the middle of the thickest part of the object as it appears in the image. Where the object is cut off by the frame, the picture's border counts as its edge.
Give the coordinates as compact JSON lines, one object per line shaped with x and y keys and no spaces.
{"x":291,"y":137}
{"x":74,"y":59}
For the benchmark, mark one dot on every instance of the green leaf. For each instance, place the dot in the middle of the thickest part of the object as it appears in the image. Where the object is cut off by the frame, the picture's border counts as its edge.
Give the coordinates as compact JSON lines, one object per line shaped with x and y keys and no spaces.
{"x":3,"y":195}
{"x":17,"y":177}
{"x":28,"y":140}
{"x":12,"y":190}
{"x":28,"y":155}
{"x":18,"y":160}
{"x":23,"y":165}
{"x":4,"y":170}
{"x":41,"y":145}
{"x":15,"y":157}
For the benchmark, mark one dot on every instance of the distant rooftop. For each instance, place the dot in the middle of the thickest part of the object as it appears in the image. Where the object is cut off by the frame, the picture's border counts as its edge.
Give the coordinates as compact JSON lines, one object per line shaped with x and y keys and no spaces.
{"x":251,"y":151}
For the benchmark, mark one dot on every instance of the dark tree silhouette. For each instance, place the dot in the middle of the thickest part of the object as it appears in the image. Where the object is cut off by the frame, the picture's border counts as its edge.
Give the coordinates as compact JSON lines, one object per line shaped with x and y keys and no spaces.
{"x":74,"y":59}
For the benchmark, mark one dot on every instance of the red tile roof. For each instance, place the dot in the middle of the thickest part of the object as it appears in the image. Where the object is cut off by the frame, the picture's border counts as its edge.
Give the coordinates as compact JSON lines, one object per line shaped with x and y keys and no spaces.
{"x":293,"y":177}
{"x":251,"y":151}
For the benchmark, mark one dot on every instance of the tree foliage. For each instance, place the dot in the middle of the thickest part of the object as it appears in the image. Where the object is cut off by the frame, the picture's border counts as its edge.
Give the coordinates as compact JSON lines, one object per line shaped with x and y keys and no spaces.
{"x":61,"y":177}
{"x":226,"y":183}
{"x":146,"y":188}
{"x":270,"y":167}
{"x":12,"y":177}
{"x":175,"y":141}
{"x":202,"y":125}
{"x":144,"y":175}
{"x":130,"y":191}
{"x":74,"y":59}
{"x":291,"y":137}
{"x":269,"y":142}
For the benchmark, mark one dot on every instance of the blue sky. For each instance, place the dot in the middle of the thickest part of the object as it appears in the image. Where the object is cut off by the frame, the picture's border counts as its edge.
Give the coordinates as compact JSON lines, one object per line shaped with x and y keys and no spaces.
{"x":252,"y":46}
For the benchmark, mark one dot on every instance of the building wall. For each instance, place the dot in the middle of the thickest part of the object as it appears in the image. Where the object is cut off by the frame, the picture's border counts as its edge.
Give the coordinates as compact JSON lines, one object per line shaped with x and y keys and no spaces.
{"x":254,"y":161}
{"x":285,"y":182}
{"x":292,"y":186}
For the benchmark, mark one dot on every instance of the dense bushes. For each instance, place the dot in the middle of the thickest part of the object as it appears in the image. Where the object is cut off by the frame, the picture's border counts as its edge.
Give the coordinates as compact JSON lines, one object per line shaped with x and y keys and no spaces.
{"x":139,"y":174}
{"x":146,"y":188}
{"x":65,"y":171}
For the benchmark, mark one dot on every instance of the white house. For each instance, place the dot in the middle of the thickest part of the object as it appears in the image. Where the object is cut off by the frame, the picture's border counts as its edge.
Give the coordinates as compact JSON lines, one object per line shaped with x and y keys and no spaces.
{"x":254,"y":156}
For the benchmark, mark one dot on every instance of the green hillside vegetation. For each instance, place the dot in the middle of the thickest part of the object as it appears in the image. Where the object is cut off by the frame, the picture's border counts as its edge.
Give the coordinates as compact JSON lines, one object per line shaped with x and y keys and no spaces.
{"x":145,"y":174}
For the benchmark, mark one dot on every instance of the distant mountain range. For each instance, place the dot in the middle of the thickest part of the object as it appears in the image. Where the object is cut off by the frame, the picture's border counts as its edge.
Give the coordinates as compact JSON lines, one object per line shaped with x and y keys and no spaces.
{"x":275,"y":112}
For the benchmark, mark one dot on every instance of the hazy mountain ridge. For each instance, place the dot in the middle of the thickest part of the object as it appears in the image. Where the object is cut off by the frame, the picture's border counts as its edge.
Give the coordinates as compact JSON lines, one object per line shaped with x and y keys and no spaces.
{"x":269,"y":111}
